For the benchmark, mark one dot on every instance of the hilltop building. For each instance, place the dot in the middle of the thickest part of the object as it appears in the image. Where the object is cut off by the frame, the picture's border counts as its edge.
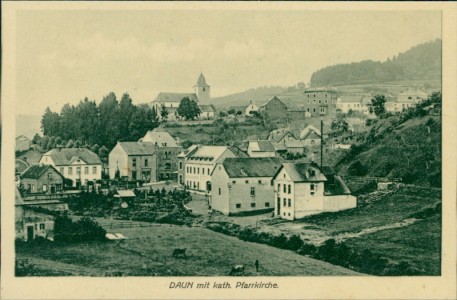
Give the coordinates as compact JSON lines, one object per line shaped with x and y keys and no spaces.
{"x":251,"y":109}
{"x":244,"y":185}
{"x":354,"y":103}
{"x":405,"y":100}
{"x":273,"y":109}
{"x":23,"y":143}
{"x":78,"y":164}
{"x":303,"y":189}
{"x":170,"y":101}
{"x":320,"y":102}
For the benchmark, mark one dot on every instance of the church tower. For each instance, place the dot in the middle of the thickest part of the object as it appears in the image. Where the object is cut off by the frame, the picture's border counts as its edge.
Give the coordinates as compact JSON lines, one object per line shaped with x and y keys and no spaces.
{"x":202,"y":89}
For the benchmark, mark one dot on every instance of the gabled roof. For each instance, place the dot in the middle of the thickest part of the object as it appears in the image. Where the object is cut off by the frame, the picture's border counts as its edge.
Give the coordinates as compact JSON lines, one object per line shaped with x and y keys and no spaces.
{"x":31,"y":156}
{"x":277,"y":135}
{"x":188,"y":151}
{"x":23,"y":137}
{"x":160,"y":138}
{"x":252,"y":167}
{"x":261,"y":146}
{"x":201,"y":81}
{"x":300,"y":172}
{"x":63,"y":157}
{"x":175,"y":97}
{"x":273,"y":99}
{"x":36,"y":171}
{"x":207,"y":108}
{"x":211,"y":153}
{"x":238,"y":152}
{"x":137,"y":148}
{"x":307,"y":130}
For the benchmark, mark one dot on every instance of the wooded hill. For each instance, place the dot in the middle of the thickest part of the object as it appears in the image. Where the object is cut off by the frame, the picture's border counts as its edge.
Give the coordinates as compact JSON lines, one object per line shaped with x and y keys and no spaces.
{"x":406,"y":146}
{"x":422,"y":62}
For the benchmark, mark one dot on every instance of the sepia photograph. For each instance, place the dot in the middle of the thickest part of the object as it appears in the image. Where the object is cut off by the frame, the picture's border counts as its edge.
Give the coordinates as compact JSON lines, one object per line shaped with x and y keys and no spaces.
{"x":238,"y":144}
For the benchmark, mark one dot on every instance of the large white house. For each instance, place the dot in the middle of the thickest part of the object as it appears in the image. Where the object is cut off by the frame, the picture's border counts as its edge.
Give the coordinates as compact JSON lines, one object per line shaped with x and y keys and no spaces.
{"x":243,"y":185}
{"x":78,"y":164}
{"x":198,"y":164}
{"x":303,"y":189}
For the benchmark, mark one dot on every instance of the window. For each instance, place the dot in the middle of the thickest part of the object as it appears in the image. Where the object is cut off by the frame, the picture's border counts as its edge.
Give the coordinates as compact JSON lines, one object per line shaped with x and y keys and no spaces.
{"x":260,"y":181}
{"x":284,"y":188}
{"x":42,"y":226}
{"x":70,"y":170}
{"x":314,"y":109}
{"x":267,"y":204}
{"x":180,"y":165}
{"x":209,"y":171}
{"x":61,"y":171}
{"x":252,"y":204}
{"x":198,"y":170}
{"x":94,"y":170}
{"x":220,"y":191}
{"x":284,"y":202}
{"x":288,"y":214}
{"x":247,"y":181}
{"x":194,"y":171}
{"x":146,"y":162}
{"x":78,"y":170}
{"x":289,"y":203}
{"x":312,"y":187}
{"x":134,"y":162}
{"x":289,"y":189}
{"x":49,"y":175}
{"x":86,"y":170}
{"x":238,"y":205}
{"x":252,"y":191}
{"x":234,"y":181}
{"x":203,"y":171}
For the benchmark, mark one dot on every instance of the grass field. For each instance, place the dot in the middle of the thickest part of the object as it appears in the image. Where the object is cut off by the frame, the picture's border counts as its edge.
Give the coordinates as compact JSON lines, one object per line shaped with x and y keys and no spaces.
{"x":147,"y":252}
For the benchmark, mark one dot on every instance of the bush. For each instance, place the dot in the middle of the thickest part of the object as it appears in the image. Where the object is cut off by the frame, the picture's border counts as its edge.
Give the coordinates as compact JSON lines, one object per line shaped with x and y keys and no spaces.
{"x":357,"y":169}
{"x":85,"y":229}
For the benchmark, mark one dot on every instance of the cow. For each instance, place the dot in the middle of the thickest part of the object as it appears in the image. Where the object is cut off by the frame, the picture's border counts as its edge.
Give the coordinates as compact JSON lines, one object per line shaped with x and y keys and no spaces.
{"x":177,"y":252}
{"x":237,"y":270}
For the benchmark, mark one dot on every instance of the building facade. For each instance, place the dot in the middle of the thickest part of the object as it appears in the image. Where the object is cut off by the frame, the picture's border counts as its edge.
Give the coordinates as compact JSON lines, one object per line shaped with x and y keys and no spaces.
{"x":42,"y":179}
{"x":133,"y":161}
{"x":273,"y":109}
{"x":302,"y":189}
{"x":77,"y":164}
{"x":319,"y":102}
{"x":251,"y":109}
{"x":243,"y":185}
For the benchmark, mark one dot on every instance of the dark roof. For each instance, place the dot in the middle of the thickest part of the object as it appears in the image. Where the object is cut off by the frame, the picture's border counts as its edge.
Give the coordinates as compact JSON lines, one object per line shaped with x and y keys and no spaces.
{"x":300,"y":172}
{"x":273,"y":99}
{"x":328,"y":171}
{"x":36,"y":171}
{"x":238,"y":152}
{"x":31,"y":156}
{"x":338,"y":187}
{"x":65,"y":156}
{"x":175,"y":97}
{"x":138,"y":148}
{"x":252,"y":167}
{"x":264,"y":146}
{"x":201,"y":81}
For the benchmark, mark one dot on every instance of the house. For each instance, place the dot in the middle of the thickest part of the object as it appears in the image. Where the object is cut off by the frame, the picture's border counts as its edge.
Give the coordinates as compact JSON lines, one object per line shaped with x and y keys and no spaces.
{"x":242,"y":185}
{"x":42,"y":179}
{"x":170,"y":101}
{"x":23,"y":143}
{"x":319,"y":102}
{"x":33,"y":218}
{"x":354,"y":103}
{"x":261,"y":149}
{"x":198,"y":164}
{"x":273,"y":109}
{"x":311,"y":136}
{"x":251,"y":109}
{"x":31,"y":156}
{"x":303,"y":189}
{"x":167,"y":150}
{"x":133,"y":161}
{"x":208,"y":112}
{"x":77,"y":164}
{"x":412,"y":96}
{"x":295,"y":146}
{"x":279,"y":136}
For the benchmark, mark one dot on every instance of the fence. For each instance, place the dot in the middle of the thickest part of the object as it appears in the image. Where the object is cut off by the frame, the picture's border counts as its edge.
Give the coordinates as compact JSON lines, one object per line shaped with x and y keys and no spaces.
{"x":128,"y":225}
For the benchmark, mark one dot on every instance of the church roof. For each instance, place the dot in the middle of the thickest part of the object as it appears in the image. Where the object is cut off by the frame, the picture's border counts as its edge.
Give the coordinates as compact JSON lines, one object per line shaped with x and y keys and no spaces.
{"x":207,"y":108}
{"x":201,"y":81}
{"x":175,"y":97}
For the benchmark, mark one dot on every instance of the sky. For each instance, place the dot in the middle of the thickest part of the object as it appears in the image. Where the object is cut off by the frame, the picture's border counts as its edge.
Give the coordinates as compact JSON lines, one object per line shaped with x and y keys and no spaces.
{"x":63,"y":56}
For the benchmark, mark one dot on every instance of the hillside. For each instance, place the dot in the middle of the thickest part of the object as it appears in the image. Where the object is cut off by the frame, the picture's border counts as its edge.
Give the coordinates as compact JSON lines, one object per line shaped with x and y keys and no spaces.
{"x":422,"y":62}
{"x":394,"y":148}
{"x":258,"y":95}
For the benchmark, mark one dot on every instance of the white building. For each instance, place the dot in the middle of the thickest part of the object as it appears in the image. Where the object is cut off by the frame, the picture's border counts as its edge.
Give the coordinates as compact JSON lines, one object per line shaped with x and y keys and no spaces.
{"x":250,"y":109}
{"x":241,"y":185}
{"x":199,"y":163}
{"x":303,"y":189}
{"x":405,"y":100}
{"x":354,"y":103}
{"x":78,"y":164}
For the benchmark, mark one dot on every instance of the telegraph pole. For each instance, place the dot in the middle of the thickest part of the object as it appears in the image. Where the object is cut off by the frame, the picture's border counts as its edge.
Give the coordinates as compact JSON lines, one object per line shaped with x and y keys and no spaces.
{"x":322,"y":143}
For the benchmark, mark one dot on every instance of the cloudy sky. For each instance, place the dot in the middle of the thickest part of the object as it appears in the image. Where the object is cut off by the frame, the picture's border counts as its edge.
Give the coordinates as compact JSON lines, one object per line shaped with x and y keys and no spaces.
{"x":64,"y":56}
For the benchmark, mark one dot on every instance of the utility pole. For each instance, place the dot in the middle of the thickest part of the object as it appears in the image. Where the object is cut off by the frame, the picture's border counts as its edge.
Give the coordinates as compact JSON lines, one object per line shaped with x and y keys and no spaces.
{"x":322,"y":143}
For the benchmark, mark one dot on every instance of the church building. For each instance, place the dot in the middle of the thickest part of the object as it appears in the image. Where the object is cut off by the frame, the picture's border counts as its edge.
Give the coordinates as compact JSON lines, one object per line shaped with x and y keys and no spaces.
{"x":170,"y":101}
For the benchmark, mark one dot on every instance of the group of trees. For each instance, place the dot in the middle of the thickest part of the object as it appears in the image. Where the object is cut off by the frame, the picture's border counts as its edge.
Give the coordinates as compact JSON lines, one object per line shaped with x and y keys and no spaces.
{"x":420,"y":62}
{"x":103,"y":125}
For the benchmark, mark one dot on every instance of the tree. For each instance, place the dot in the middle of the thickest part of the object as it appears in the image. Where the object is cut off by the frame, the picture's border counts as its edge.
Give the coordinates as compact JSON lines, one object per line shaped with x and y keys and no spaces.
{"x":163,"y":112}
{"x":50,"y":123}
{"x":377,"y":105}
{"x":127,"y":110}
{"x":95,"y":148}
{"x":188,"y":109}
{"x":231,"y":111}
{"x":109,"y":123}
{"x":103,"y":152}
{"x":339,"y":125}
{"x":36,"y":139}
{"x":70,"y":144}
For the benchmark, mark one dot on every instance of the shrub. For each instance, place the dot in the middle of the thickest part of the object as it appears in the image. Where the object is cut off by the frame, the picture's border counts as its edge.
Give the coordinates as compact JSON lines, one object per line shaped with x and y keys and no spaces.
{"x":294,"y":243}
{"x":86,"y":229}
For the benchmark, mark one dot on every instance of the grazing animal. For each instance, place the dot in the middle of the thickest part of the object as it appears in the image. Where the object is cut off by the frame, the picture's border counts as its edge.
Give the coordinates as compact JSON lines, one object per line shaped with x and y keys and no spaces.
{"x":237,"y":270}
{"x":177,"y":252}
